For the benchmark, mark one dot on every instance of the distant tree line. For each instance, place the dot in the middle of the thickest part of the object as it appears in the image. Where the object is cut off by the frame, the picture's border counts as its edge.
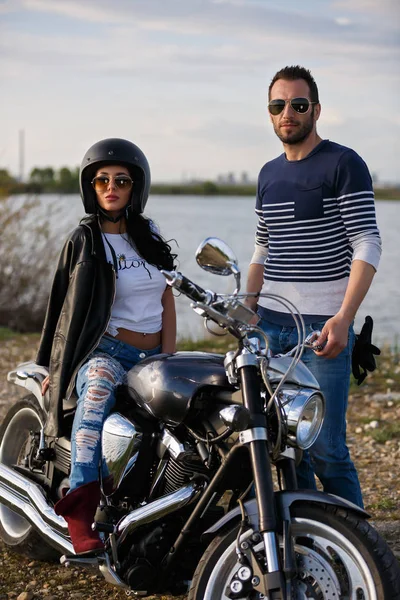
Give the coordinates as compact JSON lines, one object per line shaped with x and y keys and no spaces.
{"x":66,"y":181}
{"x":41,"y":180}
{"x":203,"y":188}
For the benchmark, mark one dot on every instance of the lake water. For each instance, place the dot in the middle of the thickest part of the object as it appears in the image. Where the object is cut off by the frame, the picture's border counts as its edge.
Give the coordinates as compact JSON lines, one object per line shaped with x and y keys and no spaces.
{"x":190,"y":219}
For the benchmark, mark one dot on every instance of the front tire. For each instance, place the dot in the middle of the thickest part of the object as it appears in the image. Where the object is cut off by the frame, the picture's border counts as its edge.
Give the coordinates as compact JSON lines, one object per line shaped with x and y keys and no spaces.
{"x":337,"y":554}
{"x":22,"y":422}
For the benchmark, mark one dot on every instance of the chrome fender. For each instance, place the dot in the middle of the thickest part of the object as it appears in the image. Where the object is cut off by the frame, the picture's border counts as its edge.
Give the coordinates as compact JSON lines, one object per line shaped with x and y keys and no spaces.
{"x":284,"y":501}
{"x":29,"y":375}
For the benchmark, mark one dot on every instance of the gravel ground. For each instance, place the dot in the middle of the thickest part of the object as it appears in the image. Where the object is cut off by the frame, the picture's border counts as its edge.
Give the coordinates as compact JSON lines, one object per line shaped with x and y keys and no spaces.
{"x":373,"y":439}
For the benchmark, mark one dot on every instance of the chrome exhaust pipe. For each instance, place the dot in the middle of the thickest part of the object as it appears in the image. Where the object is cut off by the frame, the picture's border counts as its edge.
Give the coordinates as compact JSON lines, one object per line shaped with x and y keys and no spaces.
{"x":27,"y":499}
{"x":157,"y":509}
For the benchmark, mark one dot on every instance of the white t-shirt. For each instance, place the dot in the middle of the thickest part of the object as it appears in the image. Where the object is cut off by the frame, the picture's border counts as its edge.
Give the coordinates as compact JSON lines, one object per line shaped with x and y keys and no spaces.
{"x":139,"y":288}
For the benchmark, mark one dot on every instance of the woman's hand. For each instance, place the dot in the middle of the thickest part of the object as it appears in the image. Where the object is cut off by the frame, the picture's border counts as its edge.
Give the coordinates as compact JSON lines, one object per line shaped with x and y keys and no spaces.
{"x":45,"y":385}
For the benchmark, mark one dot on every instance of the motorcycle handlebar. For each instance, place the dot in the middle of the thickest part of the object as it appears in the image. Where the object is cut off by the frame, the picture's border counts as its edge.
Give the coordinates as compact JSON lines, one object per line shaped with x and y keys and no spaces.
{"x":186,"y":286}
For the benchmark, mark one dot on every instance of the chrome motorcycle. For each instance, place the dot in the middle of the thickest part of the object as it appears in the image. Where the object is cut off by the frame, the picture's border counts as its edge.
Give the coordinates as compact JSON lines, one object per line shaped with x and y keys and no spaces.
{"x":189,"y":497}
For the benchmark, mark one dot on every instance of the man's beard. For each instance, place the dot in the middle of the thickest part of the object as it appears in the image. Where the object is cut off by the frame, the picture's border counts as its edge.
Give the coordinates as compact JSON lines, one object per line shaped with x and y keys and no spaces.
{"x":301,"y":132}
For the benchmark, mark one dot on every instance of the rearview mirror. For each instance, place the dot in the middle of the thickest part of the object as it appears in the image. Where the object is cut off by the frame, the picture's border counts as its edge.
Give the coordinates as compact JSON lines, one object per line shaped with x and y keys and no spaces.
{"x":215,"y":256}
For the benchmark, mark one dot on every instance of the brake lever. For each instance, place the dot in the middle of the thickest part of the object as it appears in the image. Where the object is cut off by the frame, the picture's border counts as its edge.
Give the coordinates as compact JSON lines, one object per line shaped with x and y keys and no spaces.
{"x":308,"y":343}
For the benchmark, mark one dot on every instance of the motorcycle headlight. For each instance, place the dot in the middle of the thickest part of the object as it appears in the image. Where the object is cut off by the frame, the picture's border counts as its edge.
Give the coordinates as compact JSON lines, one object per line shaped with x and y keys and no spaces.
{"x":304,"y":409}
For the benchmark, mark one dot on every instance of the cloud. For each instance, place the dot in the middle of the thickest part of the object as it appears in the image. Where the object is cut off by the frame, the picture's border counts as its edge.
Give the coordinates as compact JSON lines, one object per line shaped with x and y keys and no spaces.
{"x":76,"y":10}
{"x":7,"y":6}
{"x":233,"y":18}
{"x":222,"y":131}
{"x":366,"y":136}
{"x":331,"y":116}
{"x":192,"y":74}
{"x":382,"y":8}
{"x":344,"y":21}
{"x":134,"y":48}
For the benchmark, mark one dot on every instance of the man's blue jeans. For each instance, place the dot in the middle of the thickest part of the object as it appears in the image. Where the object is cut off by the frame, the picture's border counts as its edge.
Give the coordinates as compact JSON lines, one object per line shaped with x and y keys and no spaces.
{"x":96,"y":383}
{"x":329,"y":457}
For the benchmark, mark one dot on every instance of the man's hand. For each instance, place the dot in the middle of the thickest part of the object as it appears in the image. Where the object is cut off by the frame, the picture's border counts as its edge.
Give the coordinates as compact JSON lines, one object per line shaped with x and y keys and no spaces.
{"x":45,"y":385}
{"x":336,"y":330}
{"x":333,"y":338}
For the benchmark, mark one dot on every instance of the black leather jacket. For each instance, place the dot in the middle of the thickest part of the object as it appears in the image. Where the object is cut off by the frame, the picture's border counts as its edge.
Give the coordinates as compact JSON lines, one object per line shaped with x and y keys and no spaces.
{"x":77,"y":315}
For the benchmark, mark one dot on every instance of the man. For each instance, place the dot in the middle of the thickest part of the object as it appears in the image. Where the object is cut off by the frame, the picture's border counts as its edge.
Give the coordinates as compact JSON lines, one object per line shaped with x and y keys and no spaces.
{"x":318,"y":245}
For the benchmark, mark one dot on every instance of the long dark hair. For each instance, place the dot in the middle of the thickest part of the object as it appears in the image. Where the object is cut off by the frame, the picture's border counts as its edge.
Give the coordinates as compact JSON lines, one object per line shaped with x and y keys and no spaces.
{"x":150,"y":245}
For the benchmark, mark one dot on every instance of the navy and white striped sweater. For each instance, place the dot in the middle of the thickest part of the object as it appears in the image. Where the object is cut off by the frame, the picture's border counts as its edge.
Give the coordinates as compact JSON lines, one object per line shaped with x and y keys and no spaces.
{"x":316,"y":215}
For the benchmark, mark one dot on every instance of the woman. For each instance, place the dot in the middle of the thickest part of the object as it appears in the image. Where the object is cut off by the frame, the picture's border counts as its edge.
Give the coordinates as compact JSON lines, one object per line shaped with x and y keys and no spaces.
{"x":108,"y":309}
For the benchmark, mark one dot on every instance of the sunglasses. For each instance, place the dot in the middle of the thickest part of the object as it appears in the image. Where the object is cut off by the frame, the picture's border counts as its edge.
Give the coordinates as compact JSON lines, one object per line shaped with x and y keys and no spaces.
{"x":299,"y":105}
{"x":122,"y":182}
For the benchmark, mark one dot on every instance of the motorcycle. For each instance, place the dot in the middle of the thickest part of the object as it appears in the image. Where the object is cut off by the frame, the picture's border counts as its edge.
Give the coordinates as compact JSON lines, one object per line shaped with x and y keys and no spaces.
{"x":198,"y":477}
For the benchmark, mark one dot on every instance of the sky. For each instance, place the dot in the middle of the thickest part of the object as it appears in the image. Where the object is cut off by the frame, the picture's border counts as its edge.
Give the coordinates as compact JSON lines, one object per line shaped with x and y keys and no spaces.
{"x":187,"y":80}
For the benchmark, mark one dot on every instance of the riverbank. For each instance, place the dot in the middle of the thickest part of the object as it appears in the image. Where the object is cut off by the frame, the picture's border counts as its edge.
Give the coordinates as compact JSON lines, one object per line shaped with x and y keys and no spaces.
{"x":373,"y":439}
{"x":210,"y":188}
{"x":200,"y":188}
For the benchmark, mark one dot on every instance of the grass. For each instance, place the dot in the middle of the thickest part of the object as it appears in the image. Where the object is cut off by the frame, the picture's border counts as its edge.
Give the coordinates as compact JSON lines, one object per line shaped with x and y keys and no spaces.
{"x":211,"y":344}
{"x":9,"y":334}
{"x":384,"y":504}
{"x":366,"y":420}
{"x":386,"y":432}
{"x":220,"y":345}
{"x":384,"y":378}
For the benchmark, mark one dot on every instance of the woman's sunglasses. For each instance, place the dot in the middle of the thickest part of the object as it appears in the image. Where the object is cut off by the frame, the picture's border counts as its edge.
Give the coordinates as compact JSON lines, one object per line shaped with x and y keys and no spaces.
{"x":101,"y":183}
{"x":300,"y":105}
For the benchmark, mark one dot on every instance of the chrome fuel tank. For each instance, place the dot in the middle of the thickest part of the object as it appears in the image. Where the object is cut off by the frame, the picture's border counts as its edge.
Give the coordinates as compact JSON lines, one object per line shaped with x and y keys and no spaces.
{"x":165,"y":384}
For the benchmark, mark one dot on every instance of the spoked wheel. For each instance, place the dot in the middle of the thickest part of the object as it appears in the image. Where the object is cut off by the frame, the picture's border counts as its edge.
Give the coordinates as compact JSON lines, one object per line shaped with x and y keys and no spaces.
{"x":338,"y":557}
{"x":19,"y":436}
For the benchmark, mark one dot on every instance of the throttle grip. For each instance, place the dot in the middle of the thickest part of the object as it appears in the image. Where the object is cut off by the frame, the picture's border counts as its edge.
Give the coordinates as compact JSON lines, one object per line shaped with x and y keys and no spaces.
{"x":186,"y":286}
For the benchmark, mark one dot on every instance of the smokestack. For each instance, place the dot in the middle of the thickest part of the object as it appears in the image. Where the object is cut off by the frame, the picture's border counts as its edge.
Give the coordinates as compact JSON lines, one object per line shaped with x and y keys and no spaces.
{"x":21,"y":152}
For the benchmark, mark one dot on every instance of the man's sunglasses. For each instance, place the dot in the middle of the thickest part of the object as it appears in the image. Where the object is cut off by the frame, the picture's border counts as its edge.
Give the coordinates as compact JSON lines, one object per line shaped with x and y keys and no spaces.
{"x":299,"y":105}
{"x":122,"y":182}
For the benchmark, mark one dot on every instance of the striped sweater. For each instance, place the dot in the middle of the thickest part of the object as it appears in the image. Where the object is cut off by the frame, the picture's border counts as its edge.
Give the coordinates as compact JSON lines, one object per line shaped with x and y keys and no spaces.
{"x":316,"y":215}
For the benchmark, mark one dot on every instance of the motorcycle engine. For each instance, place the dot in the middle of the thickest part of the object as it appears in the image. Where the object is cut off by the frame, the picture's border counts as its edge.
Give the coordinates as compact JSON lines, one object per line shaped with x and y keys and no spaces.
{"x":177,"y":473}
{"x":180,"y":463}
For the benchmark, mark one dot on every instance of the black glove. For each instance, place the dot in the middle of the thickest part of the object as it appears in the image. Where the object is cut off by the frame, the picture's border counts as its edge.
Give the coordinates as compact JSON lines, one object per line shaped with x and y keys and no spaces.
{"x":363,"y":359}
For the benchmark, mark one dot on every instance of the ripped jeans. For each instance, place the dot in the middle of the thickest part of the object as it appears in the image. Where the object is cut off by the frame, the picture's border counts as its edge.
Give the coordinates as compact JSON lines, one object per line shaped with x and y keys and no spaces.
{"x":96,"y":383}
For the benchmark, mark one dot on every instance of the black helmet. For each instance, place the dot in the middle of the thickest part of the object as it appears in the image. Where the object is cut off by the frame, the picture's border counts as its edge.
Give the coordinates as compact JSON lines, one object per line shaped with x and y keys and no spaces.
{"x":121,"y":152}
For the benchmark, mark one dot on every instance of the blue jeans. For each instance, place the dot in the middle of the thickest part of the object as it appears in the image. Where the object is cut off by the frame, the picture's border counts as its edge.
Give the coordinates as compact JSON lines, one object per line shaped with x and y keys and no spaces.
{"x":96,"y":383}
{"x":329,"y":456}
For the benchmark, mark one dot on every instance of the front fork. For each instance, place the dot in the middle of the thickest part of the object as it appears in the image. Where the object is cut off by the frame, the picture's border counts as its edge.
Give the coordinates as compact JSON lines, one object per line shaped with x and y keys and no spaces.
{"x":273,"y":583}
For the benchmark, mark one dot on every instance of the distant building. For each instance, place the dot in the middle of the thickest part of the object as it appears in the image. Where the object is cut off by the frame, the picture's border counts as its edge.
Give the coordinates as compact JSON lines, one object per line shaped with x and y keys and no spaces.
{"x":231,"y":179}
